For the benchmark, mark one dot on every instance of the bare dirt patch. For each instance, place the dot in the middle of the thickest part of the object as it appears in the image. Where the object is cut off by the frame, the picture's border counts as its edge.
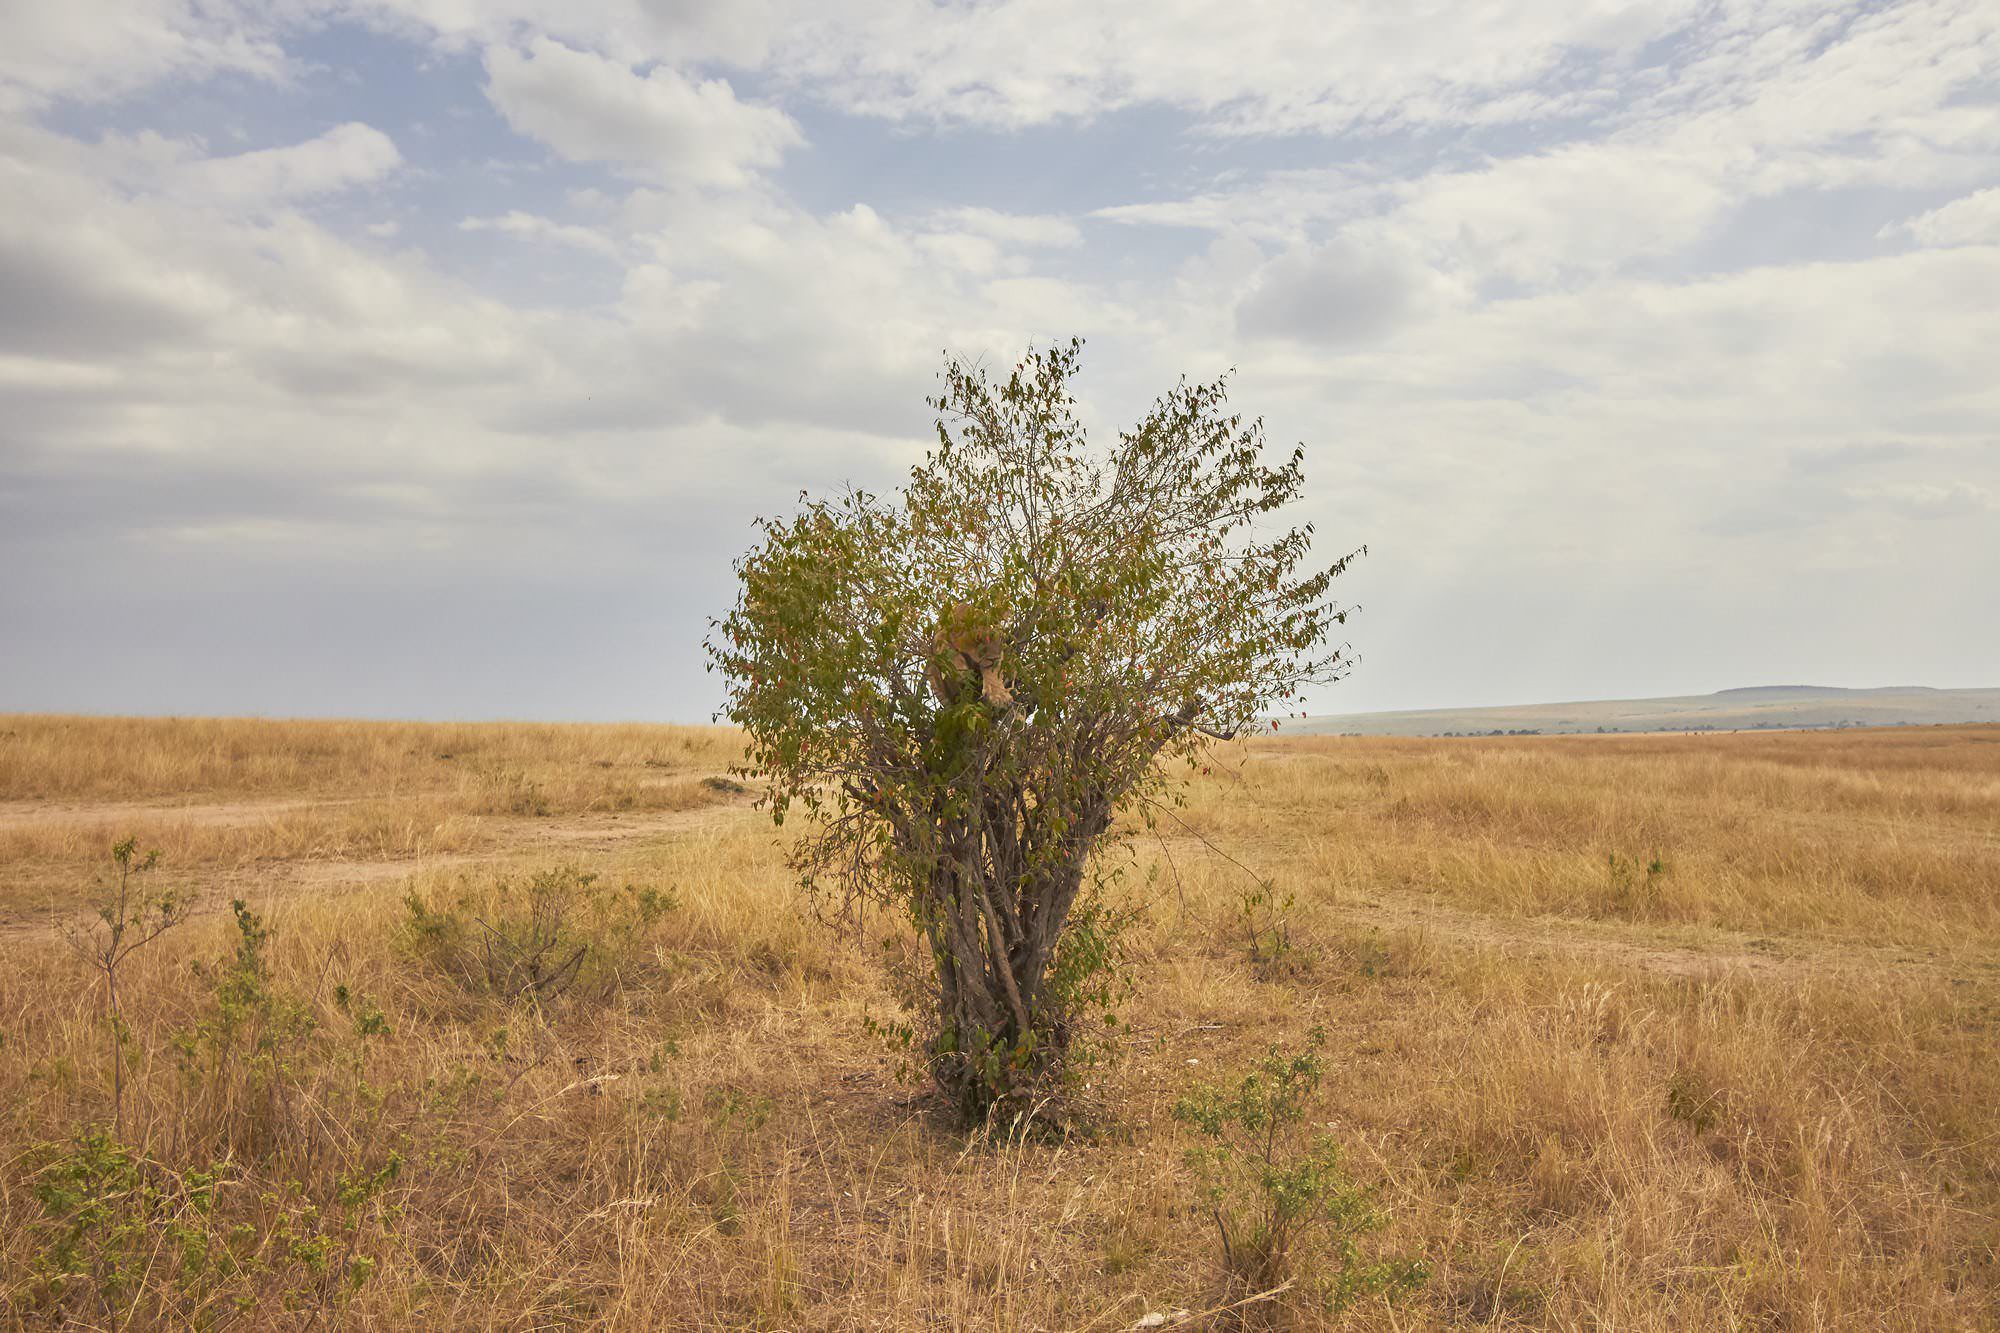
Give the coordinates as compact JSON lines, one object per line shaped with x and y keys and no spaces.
{"x":115,"y":814}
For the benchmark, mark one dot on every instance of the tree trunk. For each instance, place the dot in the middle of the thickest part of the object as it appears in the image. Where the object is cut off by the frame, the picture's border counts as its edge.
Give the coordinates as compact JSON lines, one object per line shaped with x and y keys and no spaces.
{"x":994,"y":920}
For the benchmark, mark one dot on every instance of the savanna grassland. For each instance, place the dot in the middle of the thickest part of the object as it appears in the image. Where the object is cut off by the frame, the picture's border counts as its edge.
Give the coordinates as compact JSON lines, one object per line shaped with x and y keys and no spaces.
{"x":526,"y":1026}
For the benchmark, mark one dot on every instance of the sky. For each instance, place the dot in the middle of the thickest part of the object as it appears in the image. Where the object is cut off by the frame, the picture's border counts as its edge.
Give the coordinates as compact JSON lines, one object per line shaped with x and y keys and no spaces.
{"x":432,"y":358}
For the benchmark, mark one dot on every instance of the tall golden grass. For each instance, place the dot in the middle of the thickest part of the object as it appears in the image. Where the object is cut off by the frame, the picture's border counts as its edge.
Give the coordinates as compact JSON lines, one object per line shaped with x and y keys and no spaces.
{"x":234,"y":796}
{"x":1640,"y":1033}
{"x":57,"y":758}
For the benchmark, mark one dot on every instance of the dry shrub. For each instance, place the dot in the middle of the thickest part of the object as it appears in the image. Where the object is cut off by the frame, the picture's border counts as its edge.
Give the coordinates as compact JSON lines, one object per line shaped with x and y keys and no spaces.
{"x":559,"y":935}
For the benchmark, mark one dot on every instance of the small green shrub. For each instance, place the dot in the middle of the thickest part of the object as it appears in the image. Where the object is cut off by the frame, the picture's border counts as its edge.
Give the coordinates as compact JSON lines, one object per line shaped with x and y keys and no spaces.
{"x":1264,"y":915}
{"x":730,"y":1108}
{"x":127,"y":919}
{"x":98,"y":1211}
{"x":1693,"y":1101}
{"x":560,"y":935}
{"x":241,"y":1061}
{"x":1272,"y":1193}
{"x":511,"y":793}
{"x":1634,"y":886}
{"x":123,"y":1238}
{"x":368,"y":1019}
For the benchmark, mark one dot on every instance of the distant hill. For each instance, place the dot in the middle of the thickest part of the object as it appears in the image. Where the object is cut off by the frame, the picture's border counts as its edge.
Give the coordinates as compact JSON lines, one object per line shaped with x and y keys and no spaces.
{"x":1756,"y":707}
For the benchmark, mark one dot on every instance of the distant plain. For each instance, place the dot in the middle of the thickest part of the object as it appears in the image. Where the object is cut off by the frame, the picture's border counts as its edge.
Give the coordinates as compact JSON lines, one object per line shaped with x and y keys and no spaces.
{"x":1764,"y":707}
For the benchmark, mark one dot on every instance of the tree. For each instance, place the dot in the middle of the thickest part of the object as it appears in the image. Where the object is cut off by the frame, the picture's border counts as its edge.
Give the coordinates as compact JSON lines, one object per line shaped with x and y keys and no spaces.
{"x":962,"y":687}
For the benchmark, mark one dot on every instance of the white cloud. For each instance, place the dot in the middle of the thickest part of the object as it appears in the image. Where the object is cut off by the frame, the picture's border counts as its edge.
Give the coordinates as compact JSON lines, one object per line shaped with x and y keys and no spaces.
{"x":1021,"y":229}
{"x":214,"y":301}
{"x":1345,"y":292}
{"x":345,"y":156}
{"x":83,"y":51}
{"x":1928,"y":499}
{"x":661,"y":125}
{"x":636,"y":32}
{"x":1261,"y":66}
{"x":1973,"y":220}
{"x":1587,"y":208}
{"x":1760,"y":103}
{"x":1282,"y":207}
{"x":529,"y":226}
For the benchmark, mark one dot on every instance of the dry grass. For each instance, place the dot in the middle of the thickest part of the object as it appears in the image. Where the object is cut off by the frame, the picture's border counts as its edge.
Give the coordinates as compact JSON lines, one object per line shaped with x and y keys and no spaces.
{"x":1889,"y":837}
{"x":575,"y":766}
{"x":1753,"y":1088}
{"x":238,"y":798}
